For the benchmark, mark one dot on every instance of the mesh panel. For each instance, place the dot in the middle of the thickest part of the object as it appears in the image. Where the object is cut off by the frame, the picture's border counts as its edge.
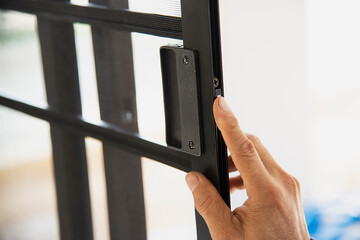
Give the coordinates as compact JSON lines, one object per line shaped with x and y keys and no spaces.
{"x":163,"y":7}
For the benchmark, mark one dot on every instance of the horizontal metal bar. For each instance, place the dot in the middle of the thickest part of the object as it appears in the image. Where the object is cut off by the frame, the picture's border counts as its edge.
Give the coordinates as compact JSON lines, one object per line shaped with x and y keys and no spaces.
{"x":154,"y":24}
{"x":105,"y":132}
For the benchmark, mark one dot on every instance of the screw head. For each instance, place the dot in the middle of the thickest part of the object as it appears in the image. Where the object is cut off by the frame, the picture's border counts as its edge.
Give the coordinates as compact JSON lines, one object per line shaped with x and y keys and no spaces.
{"x":185,"y":60}
{"x":216,"y":82}
{"x":191,"y":145}
{"x":127,"y":117}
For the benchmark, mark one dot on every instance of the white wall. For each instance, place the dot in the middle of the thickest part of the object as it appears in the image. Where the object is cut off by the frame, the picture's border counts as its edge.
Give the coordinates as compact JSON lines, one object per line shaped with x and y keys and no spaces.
{"x":334,"y":87}
{"x":264,"y":58}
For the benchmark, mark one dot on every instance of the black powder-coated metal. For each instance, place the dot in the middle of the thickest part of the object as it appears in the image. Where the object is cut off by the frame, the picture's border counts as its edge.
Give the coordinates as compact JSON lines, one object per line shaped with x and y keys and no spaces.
{"x":117,"y":99}
{"x":97,"y":15}
{"x":69,"y":156}
{"x":181,"y":98}
{"x":201,"y":33}
{"x":198,"y":27}
{"x":105,"y":132}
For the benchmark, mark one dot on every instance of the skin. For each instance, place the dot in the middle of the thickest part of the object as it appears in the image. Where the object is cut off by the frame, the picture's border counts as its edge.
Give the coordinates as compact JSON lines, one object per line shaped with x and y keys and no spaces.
{"x":273,"y":209}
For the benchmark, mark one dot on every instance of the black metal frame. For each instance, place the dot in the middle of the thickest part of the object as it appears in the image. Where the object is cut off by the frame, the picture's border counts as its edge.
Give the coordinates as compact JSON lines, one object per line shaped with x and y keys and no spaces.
{"x":199,"y":29}
{"x":70,"y":167}
{"x":98,"y":15}
{"x":116,"y":88}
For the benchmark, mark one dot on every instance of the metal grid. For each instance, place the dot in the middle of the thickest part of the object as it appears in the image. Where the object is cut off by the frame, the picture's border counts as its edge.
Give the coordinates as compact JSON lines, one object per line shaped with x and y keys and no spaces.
{"x":199,"y":29}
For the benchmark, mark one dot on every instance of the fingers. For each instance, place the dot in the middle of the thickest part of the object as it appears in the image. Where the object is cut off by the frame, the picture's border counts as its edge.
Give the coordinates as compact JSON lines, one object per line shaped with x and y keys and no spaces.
{"x":236,"y":183}
{"x":244,"y":155}
{"x":269,"y":162}
{"x":207,"y":201}
{"x":231,"y":166}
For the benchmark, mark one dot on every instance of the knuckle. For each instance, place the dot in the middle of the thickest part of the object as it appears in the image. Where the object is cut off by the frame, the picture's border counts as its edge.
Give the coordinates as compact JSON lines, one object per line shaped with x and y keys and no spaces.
{"x":297,"y":183}
{"x":277,"y":199}
{"x":253,"y":138}
{"x":231,"y":122}
{"x":291,"y":183}
{"x":205,"y":204}
{"x":239,"y":215}
{"x":248,"y":148}
{"x":228,"y":122}
{"x":274,"y":196}
{"x":273,"y":191}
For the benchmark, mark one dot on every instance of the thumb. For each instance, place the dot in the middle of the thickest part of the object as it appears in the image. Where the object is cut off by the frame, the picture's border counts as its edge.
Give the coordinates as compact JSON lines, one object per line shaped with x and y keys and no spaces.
{"x":208,"y":201}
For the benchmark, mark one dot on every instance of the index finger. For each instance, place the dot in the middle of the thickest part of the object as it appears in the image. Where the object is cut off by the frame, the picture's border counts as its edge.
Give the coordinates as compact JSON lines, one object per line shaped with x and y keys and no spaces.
{"x":243,"y":152}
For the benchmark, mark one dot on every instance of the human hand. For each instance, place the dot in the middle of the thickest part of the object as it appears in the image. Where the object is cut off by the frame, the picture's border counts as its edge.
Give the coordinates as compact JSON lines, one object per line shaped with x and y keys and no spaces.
{"x":273,"y":209}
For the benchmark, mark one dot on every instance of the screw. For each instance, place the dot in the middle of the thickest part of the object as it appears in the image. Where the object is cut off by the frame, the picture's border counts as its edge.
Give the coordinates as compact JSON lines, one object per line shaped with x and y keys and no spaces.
{"x":216,"y":82}
{"x":127,"y":117}
{"x":185,"y":60}
{"x":191,"y":145}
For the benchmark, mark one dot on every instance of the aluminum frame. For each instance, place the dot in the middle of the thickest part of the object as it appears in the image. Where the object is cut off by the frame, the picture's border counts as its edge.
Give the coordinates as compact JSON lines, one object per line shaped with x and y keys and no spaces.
{"x":199,"y":29}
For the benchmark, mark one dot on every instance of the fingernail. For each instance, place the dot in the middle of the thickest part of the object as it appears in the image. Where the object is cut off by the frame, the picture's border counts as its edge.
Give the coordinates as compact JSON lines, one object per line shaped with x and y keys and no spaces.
{"x":192,"y":181}
{"x":223,"y":105}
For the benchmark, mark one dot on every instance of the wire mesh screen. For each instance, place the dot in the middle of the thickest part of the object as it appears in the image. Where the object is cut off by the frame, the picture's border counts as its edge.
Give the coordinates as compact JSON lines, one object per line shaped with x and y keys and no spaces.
{"x":163,"y":7}
{"x":148,"y":82}
{"x":130,"y":92}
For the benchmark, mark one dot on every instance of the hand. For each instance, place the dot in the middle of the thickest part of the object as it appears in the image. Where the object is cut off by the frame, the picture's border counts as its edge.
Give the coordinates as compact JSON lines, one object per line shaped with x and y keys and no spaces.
{"x":273,"y":209}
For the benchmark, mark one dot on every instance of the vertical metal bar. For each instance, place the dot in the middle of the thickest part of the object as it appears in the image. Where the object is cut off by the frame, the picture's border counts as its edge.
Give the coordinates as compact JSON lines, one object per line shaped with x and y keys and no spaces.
{"x":70,"y":166}
{"x":201,"y":32}
{"x":117,"y":100}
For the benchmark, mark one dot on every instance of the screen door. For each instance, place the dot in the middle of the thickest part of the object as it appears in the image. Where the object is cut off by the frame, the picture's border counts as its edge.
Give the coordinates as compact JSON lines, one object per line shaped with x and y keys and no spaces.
{"x":191,"y":76}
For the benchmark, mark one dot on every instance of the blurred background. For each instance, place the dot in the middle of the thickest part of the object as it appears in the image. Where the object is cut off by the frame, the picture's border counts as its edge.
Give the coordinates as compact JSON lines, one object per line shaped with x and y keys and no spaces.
{"x":291,"y":75}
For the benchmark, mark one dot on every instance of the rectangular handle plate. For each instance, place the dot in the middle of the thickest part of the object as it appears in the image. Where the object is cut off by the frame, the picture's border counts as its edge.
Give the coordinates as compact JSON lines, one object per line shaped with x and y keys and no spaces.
{"x":181,"y":98}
